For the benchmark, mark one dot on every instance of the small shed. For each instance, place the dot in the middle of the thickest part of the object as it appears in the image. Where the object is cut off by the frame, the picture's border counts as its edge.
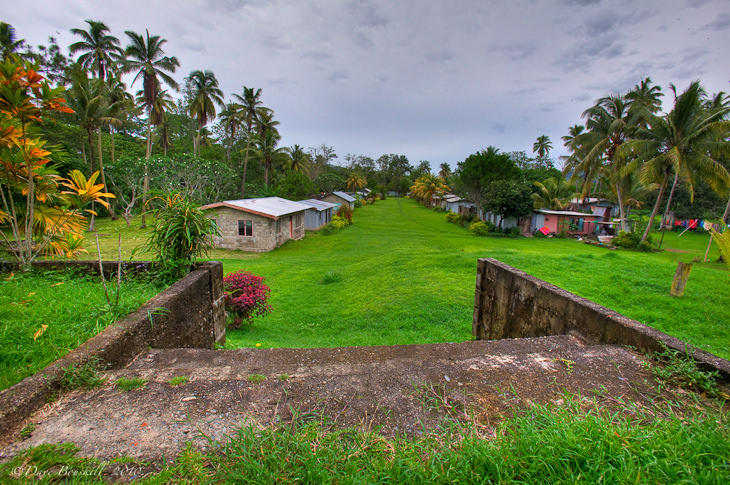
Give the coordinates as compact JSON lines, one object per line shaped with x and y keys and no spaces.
{"x":557,"y":221}
{"x":258,"y":225}
{"x":338,"y":198}
{"x":317,"y":214}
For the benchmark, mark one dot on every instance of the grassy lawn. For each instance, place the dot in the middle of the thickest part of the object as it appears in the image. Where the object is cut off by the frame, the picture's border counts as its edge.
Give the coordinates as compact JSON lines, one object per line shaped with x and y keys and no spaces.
{"x":407,"y":277}
{"x":44,"y":315}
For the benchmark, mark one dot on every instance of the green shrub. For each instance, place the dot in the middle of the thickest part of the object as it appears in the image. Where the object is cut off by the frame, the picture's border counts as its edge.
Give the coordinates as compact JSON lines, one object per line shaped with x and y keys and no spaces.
{"x":478,"y":228}
{"x":358,"y":203}
{"x":515,"y":231}
{"x":539,"y":234}
{"x":328,"y":230}
{"x":338,"y":222}
{"x":344,"y":212}
{"x":632,"y":240}
{"x":453,"y":217}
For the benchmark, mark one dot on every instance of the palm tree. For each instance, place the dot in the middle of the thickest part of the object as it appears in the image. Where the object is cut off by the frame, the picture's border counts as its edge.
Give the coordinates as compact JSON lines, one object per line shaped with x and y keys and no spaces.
{"x":158,"y":115}
{"x":268,"y":136}
{"x":428,"y":185}
{"x":445,"y":171}
{"x":645,"y":98}
{"x":230,"y":121}
{"x":145,"y":55}
{"x":120,"y":104}
{"x":205,"y":94}
{"x":542,"y":146}
{"x":684,"y":140}
{"x":267,"y":152}
{"x":8,"y":43}
{"x":552,"y":193}
{"x":608,"y":125}
{"x":251,"y":104}
{"x":298,"y":159}
{"x":101,"y":50}
{"x":356,"y":182}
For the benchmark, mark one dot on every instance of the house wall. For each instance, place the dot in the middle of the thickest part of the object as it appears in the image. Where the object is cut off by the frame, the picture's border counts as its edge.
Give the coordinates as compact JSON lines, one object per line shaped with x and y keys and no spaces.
{"x":315,"y":219}
{"x":336,"y":199}
{"x":265,"y":237}
{"x":509,"y":303}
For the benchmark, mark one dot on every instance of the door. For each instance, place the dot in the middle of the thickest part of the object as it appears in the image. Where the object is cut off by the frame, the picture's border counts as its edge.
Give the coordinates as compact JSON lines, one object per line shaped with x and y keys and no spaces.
{"x":291,"y":227}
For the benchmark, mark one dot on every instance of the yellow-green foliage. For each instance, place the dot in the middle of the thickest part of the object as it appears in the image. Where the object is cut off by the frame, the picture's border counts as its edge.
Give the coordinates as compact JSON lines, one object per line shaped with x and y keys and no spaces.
{"x":338,"y":222}
{"x":723,"y":242}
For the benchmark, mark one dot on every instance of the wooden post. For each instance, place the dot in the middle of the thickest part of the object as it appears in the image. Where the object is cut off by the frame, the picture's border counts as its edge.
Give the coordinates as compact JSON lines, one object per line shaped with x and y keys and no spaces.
{"x":680,"y":278}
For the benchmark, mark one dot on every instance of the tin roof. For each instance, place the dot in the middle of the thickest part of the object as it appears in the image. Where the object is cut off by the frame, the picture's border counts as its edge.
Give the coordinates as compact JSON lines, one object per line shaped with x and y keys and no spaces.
{"x":345,"y":196}
{"x":566,"y":213}
{"x":320,"y":205}
{"x":271,"y":207}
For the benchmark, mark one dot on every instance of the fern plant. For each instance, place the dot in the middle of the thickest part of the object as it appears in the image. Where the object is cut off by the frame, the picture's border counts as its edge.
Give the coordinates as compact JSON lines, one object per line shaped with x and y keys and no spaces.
{"x":723,"y":242}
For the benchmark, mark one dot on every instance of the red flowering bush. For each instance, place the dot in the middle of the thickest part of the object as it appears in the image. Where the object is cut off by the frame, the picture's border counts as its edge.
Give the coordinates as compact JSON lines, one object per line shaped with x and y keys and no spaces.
{"x":345,"y":212}
{"x":246,"y":296}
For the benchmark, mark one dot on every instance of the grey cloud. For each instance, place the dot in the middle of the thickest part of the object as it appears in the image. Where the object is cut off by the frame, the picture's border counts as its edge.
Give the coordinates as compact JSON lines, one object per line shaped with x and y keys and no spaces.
{"x":440,"y":57}
{"x":722,"y":22}
{"x":367,"y":14}
{"x":517,"y":50}
{"x":582,"y":3}
{"x":338,"y":76}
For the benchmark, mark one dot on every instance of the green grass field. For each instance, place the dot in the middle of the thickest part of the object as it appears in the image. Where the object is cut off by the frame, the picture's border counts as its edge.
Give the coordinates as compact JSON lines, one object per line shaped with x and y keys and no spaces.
{"x":408,"y":276}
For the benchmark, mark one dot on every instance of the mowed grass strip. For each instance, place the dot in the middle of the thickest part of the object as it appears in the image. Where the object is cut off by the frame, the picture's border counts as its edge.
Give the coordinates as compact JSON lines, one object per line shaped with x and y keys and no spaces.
{"x":408,"y":277}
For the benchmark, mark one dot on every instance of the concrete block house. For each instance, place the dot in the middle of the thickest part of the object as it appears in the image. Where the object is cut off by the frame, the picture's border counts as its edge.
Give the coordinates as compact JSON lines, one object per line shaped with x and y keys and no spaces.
{"x":318,"y":214}
{"x":339,"y":198}
{"x":258,"y":225}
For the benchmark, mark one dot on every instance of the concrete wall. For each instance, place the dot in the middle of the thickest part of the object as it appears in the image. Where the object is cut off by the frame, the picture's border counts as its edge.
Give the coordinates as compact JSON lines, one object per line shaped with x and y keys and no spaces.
{"x":265,"y":237}
{"x":189,"y":314}
{"x":336,"y":199}
{"x":509,"y":303}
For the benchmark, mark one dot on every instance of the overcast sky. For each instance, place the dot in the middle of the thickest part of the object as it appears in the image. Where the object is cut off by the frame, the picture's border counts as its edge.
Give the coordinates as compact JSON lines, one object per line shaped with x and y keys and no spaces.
{"x":432,"y":80}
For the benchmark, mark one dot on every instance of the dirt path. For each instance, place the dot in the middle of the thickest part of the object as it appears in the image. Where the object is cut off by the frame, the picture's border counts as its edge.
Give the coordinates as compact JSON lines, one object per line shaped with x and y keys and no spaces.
{"x":398,"y":389}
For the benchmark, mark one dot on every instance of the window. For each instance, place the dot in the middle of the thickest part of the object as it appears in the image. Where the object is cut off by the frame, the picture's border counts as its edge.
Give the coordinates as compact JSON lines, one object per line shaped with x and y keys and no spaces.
{"x":297,"y":220}
{"x":278,"y":226}
{"x":245,"y":228}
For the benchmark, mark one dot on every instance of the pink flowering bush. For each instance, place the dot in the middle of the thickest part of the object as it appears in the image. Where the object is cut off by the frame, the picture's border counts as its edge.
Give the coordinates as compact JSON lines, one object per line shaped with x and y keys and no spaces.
{"x":246,"y":296}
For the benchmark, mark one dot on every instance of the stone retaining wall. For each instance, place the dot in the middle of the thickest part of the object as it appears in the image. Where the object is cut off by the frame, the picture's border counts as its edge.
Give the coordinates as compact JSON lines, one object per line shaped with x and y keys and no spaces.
{"x":510,"y":303}
{"x":189,"y":314}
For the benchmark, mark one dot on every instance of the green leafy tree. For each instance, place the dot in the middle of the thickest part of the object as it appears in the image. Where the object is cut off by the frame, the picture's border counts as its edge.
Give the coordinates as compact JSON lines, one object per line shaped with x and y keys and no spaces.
{"x":482,"y":168}
{"x":508,"y":198}
{"x":8,"y":43}
{"x":552,"y":193}
{"x":297,"y":159}
{"x":427,"y":187}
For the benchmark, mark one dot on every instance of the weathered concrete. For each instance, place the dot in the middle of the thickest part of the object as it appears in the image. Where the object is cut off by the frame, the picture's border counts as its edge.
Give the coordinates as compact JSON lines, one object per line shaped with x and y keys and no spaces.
{"x":189,"y":314}
{"x":395,"y":389}
{"x":510,"y":303}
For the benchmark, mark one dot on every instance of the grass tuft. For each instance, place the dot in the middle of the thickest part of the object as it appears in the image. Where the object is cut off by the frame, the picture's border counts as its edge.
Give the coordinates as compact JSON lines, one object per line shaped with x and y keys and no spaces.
{"x":124,"y":384}
{"x":178,"y":381}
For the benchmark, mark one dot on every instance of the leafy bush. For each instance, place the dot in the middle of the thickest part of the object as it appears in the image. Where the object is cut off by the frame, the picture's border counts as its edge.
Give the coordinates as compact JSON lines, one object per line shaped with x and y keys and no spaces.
{"x":632,"y":240}
{"x":328,"y":230}
{"x":479,"y":228}
{"x":344,"y":212}
{"x":246,"y":296}
{"x":453,"y":217}
{"x":539,"y":234}
{"x":515,"y":231}
{"x":180,"y":234}
{"x":358,"y":203}
{"x":338,"y":223}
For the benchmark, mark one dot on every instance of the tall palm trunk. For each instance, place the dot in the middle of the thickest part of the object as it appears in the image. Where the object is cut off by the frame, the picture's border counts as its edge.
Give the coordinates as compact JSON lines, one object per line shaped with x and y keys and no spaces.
{"x":656,"y":206}
{"x":621,"y":209}
{"x":103,"y":177}
{"x":245,"y":167}
{"x":669,"y":200}
{"x":92,"y":222}
{"x":146,"y":183}
{"x":727,"y":213}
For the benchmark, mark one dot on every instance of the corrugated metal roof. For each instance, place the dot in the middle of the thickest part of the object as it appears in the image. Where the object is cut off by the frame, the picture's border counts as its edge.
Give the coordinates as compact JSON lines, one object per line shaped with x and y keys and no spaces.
{"x":345,"y":196}
{"x":320,"y":205}
{"x":268,"y":206}
{"x":566,"y":213}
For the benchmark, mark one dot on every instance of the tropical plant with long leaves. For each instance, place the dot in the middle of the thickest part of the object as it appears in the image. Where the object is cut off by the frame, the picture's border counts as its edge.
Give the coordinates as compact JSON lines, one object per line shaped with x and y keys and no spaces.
{"x":9,"y":45}
{"x":542,"y":146}
{"x":552,"y":193}
{"x":297,"y":159}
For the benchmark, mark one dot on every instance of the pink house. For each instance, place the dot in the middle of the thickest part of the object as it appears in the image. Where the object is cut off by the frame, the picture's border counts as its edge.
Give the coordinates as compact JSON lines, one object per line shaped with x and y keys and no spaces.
{"x":556,"y":221}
